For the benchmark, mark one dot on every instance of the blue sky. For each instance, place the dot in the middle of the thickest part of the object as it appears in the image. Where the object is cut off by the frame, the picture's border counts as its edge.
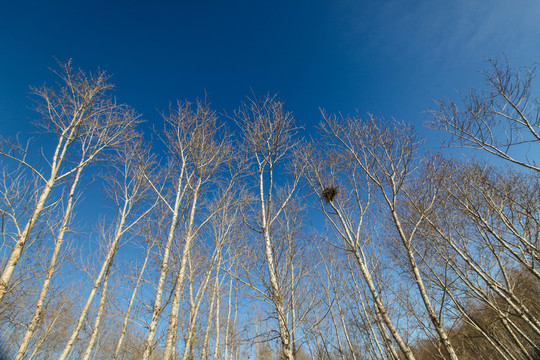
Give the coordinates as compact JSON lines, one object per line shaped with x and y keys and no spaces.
{"x":387,"y":57}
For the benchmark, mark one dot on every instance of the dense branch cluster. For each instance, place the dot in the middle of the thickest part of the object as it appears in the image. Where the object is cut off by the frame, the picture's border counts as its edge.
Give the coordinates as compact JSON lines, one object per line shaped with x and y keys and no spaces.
{"x":235,"y":238}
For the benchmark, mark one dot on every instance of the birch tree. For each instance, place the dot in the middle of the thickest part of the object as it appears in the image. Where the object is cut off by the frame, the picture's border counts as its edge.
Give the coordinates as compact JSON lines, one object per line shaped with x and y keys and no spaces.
{"x":132,"y":299}
{"x":200,"y":154}
{"x":489,"y":225}
{"x":269,"y":134}
{"x":385,"y":155}
{"x":501,"y":120}
{"x":481,"y":231}
{"x":86,"y":121}
{"x":128,"y":190}
{"x":345,"y":197}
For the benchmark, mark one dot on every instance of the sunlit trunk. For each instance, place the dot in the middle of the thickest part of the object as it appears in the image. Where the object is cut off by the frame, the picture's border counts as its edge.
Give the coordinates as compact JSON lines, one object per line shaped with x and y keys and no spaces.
{"x":130,"y":306}
{"x":164,"y":270}
{"x":178,"y":286}
{"x":99,"y":316}
{"x":38,"y":312}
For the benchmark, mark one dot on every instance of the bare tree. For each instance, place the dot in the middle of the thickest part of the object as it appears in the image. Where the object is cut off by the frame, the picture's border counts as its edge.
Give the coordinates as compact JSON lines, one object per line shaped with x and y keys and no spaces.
{"x":481,"y":232}
{"x":345,"y":196}
{"x":270,"y":140}
{"x":485,"y":224}
{"x":86,"y":121}
{"x":128,"y":190}
{"x":225,"y":230}
{"x":502,"y":120}
{"x":385,"y":155}
{"x":415,"y":256}
{"x":201,"y":153}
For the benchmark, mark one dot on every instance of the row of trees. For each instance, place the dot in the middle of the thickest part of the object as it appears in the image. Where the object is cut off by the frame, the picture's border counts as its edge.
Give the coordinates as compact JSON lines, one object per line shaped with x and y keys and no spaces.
{"x":239,"y":239}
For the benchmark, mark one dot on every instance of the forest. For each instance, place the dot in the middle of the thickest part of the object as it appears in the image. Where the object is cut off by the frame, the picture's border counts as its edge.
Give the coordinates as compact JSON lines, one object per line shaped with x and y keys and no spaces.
{"x":238,"y":236}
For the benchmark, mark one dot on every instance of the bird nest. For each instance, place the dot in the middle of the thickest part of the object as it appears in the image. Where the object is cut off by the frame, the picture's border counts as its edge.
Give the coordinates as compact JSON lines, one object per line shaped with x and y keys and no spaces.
{"x":329,"y":193}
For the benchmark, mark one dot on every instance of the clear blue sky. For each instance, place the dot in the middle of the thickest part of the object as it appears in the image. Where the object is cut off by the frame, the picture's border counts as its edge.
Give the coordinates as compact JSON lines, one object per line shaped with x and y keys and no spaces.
{"x":386,"y":57}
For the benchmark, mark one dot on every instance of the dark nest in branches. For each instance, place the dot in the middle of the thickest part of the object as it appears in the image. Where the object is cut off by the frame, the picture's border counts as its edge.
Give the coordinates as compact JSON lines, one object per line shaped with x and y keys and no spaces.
{"x":329,"y":193}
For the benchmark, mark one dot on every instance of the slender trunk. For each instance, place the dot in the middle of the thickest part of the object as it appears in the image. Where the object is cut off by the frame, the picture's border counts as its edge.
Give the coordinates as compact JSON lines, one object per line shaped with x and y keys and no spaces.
{"x":341,"y":317}
{"x":361,"y":293}
{"x":443,"y":337}
{"x":381,"y":308}
{"x":352,"y":241}
{"x":227,"y":326}
{"x":194,"y":313}
{"x":106,"y":264}
{"x":206,"y":340}
{"x":293,"y":301}
{"x":330,"y":302}
{"x":515,"y":338}
{"x":175,"y":305}
{"x":75,"y":334}
{"x":38,"y":312}
{"x":163,"y":273}
{"x":59,"y":155}
{"x":44,"y":335}
{"x":99,"y":316}
{"x":130,"y":306}
{"x":338,"y":336}
{"x":511,"y":324}
{"x":234,"y":324}
{"x":346,"y":332}
{"x":276,"y":296}
{"x":387,"y":342}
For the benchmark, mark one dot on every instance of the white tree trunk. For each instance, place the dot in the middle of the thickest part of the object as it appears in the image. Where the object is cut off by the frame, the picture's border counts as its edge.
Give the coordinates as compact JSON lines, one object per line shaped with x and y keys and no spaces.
{"x":178,"y":287}
{"x":352,"y":240}
{"x":130,"y":306}
{"x":59,"y":155}
{"x":99,"y":315}
{"x":194,"y":311}
{"x":443,"y":337}
{"x":106,"y":264}
{"x":38,"y":312}
{"x":210,"y":316}
{"x":164,"y":270}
